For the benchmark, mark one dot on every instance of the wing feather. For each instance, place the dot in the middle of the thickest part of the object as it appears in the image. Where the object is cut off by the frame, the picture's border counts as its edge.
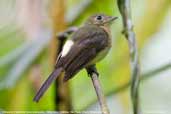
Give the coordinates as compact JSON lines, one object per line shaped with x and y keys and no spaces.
{"x":88,"y":42}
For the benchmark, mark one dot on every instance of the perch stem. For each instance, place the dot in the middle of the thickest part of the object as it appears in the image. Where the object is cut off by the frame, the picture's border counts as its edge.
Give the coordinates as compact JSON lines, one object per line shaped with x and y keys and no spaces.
{"x":93,"y":73}
{"x":125,"y":10}
{"x":99,"y":92}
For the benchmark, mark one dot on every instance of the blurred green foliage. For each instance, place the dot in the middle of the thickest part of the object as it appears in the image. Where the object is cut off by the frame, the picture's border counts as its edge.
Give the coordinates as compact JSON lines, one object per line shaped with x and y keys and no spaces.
{"x":114,"y":69}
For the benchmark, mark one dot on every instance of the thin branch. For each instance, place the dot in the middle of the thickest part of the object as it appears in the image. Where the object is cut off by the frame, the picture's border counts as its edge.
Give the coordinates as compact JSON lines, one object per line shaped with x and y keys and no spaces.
{"x":143,"y":77}
{"x":100,"y":94}
{"x":125,"y":10}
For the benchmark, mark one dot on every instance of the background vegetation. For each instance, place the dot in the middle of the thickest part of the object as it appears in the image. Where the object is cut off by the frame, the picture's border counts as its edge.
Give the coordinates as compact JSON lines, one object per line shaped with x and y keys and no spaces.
{"x":28,"y":48}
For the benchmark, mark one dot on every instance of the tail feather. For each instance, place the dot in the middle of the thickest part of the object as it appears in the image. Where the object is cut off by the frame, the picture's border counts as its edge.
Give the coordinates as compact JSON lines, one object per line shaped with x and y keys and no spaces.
{"x":47,"y":83}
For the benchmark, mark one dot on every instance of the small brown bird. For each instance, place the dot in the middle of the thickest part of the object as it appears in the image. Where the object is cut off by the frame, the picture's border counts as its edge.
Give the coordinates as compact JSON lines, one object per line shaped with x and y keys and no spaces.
{"x":87,"y":46}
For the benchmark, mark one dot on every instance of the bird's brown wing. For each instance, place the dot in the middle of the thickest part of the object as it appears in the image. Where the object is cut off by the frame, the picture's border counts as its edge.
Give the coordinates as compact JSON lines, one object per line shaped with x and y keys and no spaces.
{"x":83,"y":35}
{"x":79,"y":62}
{"x":82,"y":52}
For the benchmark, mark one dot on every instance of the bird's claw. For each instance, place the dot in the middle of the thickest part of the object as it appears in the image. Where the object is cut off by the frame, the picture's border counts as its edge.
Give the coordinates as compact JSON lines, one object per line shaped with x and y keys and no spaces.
{"x":91,"y":70}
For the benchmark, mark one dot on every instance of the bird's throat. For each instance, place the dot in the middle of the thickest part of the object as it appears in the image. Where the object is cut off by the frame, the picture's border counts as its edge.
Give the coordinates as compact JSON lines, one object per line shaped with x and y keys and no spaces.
{"x":106,"y":28}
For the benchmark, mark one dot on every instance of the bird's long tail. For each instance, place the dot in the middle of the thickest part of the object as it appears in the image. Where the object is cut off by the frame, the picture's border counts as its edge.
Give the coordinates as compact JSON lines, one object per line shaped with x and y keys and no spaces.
{"x":47,"y":83}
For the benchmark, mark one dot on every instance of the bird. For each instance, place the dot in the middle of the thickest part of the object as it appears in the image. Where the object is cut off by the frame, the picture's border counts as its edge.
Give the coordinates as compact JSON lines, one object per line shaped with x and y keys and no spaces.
{"x":87,"y":46}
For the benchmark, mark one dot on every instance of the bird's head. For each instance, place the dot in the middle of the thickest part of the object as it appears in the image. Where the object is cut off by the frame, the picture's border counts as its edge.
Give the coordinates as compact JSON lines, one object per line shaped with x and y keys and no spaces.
{"x":100,"y":19}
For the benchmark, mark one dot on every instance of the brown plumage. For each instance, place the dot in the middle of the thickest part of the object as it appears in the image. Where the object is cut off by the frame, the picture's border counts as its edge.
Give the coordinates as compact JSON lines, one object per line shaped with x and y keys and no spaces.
{"x":87,"y":46}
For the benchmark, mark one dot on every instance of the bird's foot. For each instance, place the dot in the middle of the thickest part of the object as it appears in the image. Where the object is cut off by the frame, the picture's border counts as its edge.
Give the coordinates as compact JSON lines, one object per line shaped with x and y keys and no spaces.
{"x":91,"y":70}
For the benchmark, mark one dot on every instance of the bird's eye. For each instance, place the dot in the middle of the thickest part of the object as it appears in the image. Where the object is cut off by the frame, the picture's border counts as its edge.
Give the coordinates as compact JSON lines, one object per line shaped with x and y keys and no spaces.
{"x":99,"y":17}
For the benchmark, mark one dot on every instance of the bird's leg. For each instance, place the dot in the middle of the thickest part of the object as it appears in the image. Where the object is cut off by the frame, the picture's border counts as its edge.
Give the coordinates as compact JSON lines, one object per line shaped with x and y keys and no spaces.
{"x":93,"y":74}
{"x":92,"y":69}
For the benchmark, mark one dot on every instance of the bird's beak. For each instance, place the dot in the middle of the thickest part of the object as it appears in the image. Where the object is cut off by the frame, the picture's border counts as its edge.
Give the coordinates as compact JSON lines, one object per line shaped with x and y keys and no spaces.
{"x":111,"y":18}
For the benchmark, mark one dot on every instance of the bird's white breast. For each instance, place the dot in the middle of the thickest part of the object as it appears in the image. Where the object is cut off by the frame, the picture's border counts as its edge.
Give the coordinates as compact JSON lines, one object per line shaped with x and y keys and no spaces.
{"x":67,"y":47}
